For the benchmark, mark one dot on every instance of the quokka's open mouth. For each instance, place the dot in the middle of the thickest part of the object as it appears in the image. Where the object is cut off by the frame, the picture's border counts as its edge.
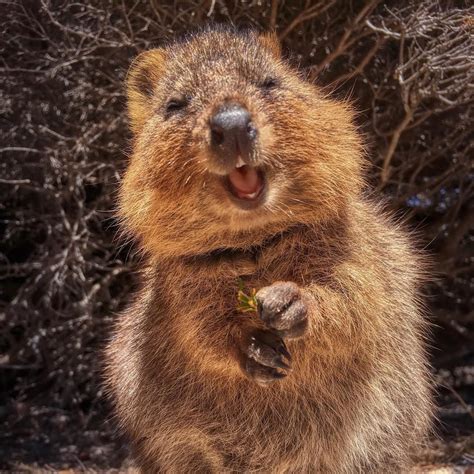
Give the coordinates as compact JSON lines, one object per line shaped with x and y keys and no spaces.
{"x":246,"y":184}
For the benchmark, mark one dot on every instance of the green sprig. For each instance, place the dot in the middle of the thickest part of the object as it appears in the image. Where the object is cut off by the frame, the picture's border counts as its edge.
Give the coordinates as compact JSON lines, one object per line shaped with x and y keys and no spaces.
{"x":247,"y":303}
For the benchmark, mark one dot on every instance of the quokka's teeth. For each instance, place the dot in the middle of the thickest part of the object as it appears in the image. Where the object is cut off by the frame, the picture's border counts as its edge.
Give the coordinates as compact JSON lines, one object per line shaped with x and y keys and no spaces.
{"x":240,"y":163}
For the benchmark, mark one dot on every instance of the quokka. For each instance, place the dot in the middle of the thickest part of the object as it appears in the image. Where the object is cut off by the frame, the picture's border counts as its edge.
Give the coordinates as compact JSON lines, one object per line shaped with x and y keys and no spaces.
{"x":243,"y":171}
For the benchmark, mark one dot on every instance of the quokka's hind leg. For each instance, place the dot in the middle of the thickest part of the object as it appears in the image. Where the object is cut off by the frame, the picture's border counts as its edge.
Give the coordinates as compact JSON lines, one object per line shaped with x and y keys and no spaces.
{"x":179,"y":453}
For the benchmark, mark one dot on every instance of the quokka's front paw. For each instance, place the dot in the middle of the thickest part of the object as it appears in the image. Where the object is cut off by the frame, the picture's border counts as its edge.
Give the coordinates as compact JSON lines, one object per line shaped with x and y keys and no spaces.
{"x":266,"y":357}
{"x":282,"y":308}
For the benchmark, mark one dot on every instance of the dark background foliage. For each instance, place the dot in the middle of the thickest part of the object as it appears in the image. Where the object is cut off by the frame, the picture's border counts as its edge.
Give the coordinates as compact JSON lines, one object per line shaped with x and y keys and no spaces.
{"x":406,"y":66}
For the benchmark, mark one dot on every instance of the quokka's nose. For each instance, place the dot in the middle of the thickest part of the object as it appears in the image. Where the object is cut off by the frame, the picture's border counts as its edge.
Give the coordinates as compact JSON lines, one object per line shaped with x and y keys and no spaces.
{"x":232,"y":131}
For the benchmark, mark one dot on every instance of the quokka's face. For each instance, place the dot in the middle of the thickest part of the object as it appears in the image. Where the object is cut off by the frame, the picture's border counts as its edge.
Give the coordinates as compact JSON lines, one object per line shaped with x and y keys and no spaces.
{"x":228,"y":139}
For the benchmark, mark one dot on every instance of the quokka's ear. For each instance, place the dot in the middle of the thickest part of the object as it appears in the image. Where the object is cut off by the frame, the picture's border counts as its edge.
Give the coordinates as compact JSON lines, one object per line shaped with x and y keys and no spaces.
{"x":143,"y":75}
{"x":270,"y":41}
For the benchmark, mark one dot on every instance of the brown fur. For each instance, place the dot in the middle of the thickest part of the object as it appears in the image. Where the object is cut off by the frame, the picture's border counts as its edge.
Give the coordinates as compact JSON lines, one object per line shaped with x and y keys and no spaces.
{"x":357,"y":398}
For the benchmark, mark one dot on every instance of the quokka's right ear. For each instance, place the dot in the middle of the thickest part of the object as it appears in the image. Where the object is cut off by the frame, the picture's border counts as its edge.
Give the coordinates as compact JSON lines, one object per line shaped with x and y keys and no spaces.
{"x":143,"y":75}
{"x":270,"y":41}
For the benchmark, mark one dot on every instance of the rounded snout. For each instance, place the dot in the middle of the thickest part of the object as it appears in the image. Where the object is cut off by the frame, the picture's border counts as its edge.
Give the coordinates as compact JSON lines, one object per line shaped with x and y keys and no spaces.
{"x":233,"y":134}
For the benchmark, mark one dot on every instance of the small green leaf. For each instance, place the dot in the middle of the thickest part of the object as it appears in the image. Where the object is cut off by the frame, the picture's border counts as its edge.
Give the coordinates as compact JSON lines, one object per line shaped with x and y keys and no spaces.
{"x":247,"y":303}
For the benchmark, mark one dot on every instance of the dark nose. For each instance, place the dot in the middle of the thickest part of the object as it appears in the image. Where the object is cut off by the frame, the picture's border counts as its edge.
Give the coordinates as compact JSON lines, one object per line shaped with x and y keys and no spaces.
{"x":232,"y":131}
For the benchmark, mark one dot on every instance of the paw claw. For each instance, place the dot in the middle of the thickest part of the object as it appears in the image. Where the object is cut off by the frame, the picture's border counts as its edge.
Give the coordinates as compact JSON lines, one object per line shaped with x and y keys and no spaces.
{"x":281,"y":364}
{"x":284,"y":351}
{"x":265,"y":355}
{"x":280,"y":375}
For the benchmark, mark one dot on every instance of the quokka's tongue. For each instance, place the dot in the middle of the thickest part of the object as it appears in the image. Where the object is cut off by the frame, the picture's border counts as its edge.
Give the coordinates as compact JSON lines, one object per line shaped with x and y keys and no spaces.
{"x":246,"y":182}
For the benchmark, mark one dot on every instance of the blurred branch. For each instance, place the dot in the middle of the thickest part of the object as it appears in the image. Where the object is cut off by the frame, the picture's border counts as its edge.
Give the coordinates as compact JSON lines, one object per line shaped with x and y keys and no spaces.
{"x":310,"y":12}
{"x":273,"y":15}
{"x":348,"y":38}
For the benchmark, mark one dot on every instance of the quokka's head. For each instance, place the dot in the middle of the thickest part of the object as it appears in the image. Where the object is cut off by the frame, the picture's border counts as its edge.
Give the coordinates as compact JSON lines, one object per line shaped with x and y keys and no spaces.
{"x":231,"y":145}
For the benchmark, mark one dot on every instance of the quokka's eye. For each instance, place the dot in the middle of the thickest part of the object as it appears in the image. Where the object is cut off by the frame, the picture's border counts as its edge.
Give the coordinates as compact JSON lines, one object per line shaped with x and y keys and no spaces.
{"x":176,"y":104}
{"x":269,"y":83}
